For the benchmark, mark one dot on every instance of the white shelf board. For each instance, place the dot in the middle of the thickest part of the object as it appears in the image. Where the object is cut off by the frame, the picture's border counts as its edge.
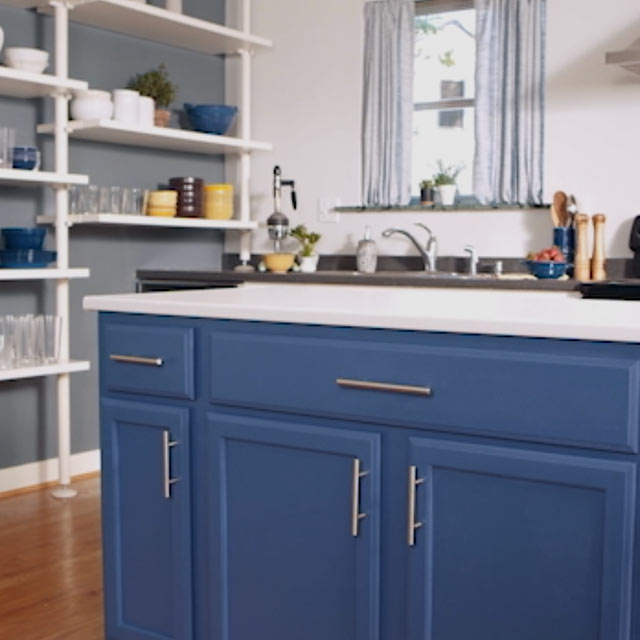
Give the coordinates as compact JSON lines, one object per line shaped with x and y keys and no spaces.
{"x":22,"y":177}
{"x":157,"y":24}
{"x":21,"y":84}
{"x":44,"y":370}
{"x":43,"y":274}
{"x":151,"y":221}
{"x":167,"y":138}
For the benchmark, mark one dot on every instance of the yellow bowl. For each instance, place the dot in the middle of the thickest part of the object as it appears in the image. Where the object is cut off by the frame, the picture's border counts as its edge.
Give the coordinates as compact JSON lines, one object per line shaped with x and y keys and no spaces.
{"x":161,"y":213}
{"x":278,"y":262}
{"x":163,"y":199}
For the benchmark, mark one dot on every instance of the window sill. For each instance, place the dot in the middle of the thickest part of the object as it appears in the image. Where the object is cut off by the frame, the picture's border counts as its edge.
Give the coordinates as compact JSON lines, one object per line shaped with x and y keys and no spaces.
{"x":462,"y":207}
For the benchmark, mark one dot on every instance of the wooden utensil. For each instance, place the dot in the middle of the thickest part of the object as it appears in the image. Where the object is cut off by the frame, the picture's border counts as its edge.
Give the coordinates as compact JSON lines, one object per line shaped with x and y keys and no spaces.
{"x":598,"y":263}
{"x":560,"y":205}
{"x":581,"y":263}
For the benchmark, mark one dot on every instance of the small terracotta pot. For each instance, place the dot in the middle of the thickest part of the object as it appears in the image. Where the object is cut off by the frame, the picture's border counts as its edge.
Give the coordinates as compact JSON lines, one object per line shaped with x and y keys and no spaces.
{"x":161,"y":118}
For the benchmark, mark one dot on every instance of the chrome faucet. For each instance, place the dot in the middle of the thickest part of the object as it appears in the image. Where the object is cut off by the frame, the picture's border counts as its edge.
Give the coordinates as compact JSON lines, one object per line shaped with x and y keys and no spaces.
{"x":429,"y":254}
{"x":473,"y":260}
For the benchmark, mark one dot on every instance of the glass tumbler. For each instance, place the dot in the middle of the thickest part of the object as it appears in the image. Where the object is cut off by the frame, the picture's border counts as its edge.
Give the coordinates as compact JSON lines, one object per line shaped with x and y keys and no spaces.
{"x":116,"y":199}
{"x":104,"y":199}
{"x":7,"y":142}
{"x":126,"y":200}
{"x":6,"y":344}
{"x":52,"y":330}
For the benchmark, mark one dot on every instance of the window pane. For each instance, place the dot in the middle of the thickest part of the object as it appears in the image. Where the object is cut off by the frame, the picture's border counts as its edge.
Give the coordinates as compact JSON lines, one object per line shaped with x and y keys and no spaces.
{"x":454,"y":145}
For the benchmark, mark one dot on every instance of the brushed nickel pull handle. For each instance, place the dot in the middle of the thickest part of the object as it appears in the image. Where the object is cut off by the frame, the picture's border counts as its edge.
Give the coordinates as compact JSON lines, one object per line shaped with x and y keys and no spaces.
{"x":167,"y":480}
{"x":152,"y":362}
{"x":349,"y":383}
{"x":412,"y":525}
{"x":356,"y":516}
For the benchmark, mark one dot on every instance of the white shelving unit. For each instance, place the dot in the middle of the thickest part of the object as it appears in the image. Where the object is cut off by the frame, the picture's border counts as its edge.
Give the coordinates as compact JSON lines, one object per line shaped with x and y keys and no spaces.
{"x":42,"y":274}
{"x":150,"y":221}
{"x":59,"y":368}
{"x":113,"y":132}
{"x":151,"y":23}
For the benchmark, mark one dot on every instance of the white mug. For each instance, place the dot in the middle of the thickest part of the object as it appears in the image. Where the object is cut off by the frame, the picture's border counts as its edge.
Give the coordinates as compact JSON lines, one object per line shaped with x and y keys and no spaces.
{"x":146,"y":111}
{"x":125,"y":106}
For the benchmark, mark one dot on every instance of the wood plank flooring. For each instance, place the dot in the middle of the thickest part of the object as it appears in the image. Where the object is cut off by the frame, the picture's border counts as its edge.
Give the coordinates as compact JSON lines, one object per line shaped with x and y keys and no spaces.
{"x":51,"y":565}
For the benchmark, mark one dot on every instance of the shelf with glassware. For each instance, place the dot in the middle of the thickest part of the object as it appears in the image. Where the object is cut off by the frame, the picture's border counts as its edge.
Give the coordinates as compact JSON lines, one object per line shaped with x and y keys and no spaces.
{"x":26,"y":178}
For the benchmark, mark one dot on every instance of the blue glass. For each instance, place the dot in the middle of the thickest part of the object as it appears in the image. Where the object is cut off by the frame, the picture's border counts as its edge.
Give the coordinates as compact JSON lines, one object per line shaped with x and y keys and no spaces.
{"x":26,"y":158}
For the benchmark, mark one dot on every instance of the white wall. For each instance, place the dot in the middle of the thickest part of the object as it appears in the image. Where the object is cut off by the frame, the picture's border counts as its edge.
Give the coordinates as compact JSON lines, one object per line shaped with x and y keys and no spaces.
{"x":307,"y":101}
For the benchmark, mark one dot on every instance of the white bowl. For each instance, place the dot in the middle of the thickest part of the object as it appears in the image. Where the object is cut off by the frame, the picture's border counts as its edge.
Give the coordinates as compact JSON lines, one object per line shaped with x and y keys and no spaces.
{"x":92,"y":105}
{"x":26,"y":59}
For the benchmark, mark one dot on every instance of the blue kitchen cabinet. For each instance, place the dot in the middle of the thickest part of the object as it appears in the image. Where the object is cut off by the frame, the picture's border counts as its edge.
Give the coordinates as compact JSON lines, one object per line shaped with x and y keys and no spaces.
{"x":294,"y":519}
{"x":146,"y":521}
{"x":506,"y":543}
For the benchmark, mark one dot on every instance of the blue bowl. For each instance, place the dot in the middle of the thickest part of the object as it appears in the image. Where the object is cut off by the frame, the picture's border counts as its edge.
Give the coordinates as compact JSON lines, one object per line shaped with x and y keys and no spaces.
{"x":26,"y":259}
{"x":211,"y":118}
{"x":23,"y":238}
{"x":546,"y":269}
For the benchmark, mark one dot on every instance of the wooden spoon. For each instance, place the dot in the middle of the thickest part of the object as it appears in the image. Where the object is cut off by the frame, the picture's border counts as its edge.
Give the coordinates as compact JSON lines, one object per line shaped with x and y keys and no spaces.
{"x":560,"y":205}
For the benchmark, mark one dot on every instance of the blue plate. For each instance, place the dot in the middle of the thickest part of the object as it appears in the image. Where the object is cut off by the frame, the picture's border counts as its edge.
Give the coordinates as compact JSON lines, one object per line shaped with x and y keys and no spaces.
{"x":26,"y":259}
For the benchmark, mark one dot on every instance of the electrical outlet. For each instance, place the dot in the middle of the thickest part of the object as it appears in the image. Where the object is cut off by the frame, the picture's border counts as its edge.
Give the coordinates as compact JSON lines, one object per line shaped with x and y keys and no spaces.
{"x":325,"y":210}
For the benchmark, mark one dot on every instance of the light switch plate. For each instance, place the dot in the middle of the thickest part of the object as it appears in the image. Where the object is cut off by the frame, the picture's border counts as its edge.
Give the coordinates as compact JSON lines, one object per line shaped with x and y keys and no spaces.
{"x":325,"y":210}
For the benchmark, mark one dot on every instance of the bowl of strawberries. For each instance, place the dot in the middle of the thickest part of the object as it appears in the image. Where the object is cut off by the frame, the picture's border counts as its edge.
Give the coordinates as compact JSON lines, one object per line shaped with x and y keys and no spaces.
{"x":547,"y":263}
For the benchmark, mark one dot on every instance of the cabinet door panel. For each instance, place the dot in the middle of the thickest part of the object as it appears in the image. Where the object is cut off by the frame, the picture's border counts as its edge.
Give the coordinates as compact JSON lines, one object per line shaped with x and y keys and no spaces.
{"x":519,"y":544}
{"x":147,"y":549}
{"x":285,"y":564}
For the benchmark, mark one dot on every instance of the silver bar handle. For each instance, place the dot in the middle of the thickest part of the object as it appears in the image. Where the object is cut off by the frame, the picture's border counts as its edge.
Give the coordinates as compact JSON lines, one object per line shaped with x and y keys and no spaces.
{"x":356,"y":516}
{"x":167,"y":480}
{"x":412,"y":525}
{"x":152,"y":362}
{"x":349,"y":383}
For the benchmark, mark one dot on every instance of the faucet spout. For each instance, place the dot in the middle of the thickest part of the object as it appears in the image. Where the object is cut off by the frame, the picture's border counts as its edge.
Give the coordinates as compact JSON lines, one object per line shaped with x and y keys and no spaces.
{"x":428,"y":254}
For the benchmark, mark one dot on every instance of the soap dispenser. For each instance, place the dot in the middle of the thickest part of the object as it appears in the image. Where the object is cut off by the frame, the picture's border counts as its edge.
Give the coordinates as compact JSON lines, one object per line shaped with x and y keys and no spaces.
{"x":367,"y":253}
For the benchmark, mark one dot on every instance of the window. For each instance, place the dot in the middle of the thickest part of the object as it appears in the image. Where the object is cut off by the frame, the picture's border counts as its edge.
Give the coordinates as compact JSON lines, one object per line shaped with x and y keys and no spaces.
{"x":444,"y":88}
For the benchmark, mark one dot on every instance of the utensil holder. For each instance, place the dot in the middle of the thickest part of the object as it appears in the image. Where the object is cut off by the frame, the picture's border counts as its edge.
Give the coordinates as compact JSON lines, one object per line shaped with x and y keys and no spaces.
{"x":565,"y":239}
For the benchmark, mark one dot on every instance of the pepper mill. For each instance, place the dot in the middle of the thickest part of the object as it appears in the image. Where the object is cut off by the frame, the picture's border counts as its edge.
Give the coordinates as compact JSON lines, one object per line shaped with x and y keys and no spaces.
{"x":598,"y":264}
{"x":581,"y":264}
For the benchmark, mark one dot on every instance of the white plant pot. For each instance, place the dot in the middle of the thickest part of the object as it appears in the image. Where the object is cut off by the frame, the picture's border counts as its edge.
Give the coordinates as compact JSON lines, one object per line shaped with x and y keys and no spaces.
{"x":125,"y":106}
{"x":308,"y":264}
{"x":447,"y":194}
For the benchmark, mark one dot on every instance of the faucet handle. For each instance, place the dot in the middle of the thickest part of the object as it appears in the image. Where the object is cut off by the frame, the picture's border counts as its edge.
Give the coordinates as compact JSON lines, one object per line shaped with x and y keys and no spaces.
{"x":424,"y":226}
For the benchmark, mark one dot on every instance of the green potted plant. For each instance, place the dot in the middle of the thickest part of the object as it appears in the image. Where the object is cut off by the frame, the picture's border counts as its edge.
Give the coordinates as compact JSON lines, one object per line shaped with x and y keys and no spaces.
{"x":445,"y":182}
{"x":427,"y":192}
{"x":307,"y":256}
{"x":156,"y":84}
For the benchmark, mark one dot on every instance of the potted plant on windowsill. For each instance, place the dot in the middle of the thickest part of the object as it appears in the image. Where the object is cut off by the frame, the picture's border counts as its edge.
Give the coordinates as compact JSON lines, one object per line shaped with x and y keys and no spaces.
{"x":427,"y":192}
{"x":156,"y":84}
{"x":307,"y":256}
{"x":445,"y":182}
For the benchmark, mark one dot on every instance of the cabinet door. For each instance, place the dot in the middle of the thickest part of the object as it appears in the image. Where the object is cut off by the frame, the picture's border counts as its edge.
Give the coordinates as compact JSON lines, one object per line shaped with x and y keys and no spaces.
{"x":519,"y":544}
{"x":146,"y":521}
{"x":294,"y":521}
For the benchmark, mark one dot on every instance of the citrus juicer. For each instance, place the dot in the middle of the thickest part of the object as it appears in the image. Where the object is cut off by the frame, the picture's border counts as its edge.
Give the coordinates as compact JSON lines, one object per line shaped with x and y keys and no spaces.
{"x":278,"y":223}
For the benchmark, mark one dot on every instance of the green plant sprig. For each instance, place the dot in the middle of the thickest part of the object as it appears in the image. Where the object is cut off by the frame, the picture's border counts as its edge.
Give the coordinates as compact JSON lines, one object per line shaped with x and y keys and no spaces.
{"x":307,"y":239}
{"x":155,"y":84}
{"x":446,"y":174}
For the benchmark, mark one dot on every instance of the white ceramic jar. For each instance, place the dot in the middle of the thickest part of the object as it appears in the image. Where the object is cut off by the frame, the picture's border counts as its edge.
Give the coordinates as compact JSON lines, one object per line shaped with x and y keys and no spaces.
{"x":125,"y":106}
{"x":92,"y":105}
{"x":146,"y":111}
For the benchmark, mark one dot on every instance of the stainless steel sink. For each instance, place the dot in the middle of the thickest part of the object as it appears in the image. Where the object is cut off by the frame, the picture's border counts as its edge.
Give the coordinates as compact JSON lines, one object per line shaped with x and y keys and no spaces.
{"x":438,"y":275}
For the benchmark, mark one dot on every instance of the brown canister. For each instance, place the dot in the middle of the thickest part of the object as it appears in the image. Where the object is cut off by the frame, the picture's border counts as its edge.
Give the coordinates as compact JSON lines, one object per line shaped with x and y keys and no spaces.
{"x":190,"y":196}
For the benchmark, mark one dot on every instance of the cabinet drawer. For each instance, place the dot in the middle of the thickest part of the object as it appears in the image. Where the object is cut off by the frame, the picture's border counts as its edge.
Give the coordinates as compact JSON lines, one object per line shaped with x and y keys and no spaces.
{"x":561,"y":392}
{"x":148,"y":359}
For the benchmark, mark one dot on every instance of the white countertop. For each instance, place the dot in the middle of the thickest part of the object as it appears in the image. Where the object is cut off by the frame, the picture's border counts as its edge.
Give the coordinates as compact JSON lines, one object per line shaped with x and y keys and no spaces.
{"x":521,"y":313}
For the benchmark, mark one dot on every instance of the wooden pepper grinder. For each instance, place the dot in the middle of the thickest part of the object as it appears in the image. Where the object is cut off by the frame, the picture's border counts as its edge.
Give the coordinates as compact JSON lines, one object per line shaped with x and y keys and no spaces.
{"x":581,"y":264}
{"x":598,"y":264}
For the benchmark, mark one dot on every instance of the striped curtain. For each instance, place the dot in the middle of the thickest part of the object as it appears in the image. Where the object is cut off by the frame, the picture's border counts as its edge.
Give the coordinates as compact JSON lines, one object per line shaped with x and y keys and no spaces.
{"x":510,"y":95}
{"x":387,"y":103}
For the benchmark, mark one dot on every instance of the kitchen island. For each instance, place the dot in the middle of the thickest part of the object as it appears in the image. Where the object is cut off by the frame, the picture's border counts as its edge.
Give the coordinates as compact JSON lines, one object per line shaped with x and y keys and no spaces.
{"x":369,"y":463}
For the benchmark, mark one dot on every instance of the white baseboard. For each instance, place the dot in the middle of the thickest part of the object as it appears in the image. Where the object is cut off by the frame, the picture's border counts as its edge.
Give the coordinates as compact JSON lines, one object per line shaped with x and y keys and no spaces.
{"x":34,"y":473}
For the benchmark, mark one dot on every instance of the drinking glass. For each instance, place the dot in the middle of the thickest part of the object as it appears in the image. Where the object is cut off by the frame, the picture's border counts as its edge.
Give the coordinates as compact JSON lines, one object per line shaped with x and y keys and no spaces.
{"x":6,"y":345}
{"x":104,"y":200}
{"x":126,"y":200}
{"x":52,"y":329}
{"x":7,"y":142}
{"x":137,"y":196}
{"x":74,"y":199}
{"x":115,"y":199}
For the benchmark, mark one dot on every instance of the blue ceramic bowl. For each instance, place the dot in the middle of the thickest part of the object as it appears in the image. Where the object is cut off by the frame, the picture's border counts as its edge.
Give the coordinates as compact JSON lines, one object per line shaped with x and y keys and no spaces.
{"x":23,"y":238}
{"x":211,"y":118}
{"x":546,"y":269}
{"x":26,"y":259}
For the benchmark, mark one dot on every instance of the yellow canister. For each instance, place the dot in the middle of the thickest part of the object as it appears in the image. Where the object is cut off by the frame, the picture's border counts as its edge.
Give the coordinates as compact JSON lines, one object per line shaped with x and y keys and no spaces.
{"x":218,"y":201}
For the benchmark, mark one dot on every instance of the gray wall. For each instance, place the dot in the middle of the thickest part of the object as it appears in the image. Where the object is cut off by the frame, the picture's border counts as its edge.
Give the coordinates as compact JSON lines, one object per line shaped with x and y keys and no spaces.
{"x":106,"y":60}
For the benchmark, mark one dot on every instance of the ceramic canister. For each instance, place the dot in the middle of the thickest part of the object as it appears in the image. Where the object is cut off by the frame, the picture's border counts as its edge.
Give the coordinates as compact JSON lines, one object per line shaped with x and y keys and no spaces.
{"x":146,"y":111}
{"x":125,"y":106}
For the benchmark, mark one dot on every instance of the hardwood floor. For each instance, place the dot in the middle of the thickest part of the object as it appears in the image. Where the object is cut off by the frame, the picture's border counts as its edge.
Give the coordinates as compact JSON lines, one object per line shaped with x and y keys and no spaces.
{"x":51,"y":565}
